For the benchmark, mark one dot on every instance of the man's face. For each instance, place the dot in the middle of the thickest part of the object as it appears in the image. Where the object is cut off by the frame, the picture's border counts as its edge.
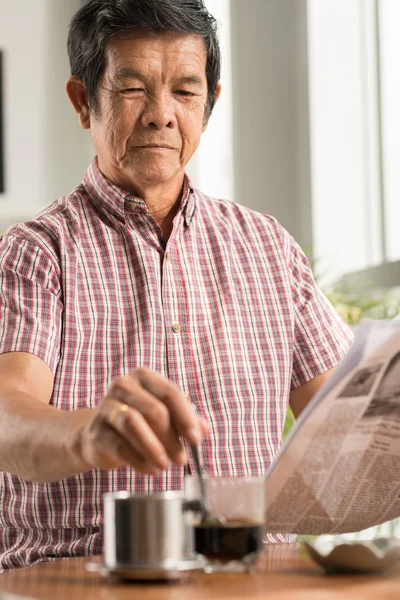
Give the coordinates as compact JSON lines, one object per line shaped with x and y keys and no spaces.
{"x":151,"y":107}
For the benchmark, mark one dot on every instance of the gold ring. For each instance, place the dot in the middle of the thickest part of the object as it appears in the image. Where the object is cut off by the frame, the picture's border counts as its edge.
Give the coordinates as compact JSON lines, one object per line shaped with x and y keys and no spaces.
{"x":119,"y":408}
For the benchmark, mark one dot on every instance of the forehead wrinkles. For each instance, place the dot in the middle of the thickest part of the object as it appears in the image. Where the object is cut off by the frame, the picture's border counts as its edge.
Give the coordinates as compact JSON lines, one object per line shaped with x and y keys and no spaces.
{"x":156,"y":56}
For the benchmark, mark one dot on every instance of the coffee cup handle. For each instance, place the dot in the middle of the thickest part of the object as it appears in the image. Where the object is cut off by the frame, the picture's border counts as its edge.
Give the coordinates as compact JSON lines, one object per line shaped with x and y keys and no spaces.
{"x":192,"y":506}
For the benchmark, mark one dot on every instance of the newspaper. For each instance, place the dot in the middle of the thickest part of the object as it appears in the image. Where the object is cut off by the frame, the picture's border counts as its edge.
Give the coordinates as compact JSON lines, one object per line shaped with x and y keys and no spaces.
{"x":339,"y":469}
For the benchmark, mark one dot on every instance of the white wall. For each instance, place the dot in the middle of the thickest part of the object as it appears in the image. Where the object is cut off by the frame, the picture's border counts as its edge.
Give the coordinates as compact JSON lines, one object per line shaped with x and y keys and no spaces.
{"x":270,"y":111}
{"x":46,"y":151}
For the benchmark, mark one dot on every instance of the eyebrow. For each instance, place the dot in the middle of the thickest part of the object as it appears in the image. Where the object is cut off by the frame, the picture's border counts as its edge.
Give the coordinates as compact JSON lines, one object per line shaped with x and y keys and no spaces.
{"x":128,"y":73}
{"x":191,"y":79}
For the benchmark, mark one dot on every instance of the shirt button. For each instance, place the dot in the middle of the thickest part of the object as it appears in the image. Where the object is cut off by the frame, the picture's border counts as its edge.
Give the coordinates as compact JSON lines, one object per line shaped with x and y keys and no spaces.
{"x":167,"y":256}
{"x":176,"y":327}
{"x":132,"y":205}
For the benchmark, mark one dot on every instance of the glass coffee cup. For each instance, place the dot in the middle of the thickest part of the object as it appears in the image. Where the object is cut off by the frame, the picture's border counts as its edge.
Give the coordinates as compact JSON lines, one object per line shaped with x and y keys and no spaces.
{"x":233,"y":540}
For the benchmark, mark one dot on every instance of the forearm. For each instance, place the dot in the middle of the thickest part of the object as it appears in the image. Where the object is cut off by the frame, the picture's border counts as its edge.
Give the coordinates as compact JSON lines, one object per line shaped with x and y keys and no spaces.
{"x":38,"y":441}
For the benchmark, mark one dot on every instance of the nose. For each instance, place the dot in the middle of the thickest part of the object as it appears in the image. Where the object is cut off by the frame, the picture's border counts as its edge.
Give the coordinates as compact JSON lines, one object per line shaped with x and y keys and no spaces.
{"x":159,"y":113}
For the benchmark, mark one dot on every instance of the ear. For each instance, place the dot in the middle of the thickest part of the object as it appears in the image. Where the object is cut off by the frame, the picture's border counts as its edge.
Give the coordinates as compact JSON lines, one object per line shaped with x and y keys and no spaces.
{"x":217,"y":95}
{"x":218,"y":91}
{"x":76,"y":92}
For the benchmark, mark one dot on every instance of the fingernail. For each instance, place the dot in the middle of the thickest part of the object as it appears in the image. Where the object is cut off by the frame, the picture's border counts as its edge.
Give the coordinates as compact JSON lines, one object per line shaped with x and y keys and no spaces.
{"x":194,"y":435}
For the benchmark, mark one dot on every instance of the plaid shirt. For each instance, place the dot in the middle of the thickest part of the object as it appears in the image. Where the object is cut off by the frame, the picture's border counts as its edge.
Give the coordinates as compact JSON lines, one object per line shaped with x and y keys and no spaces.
{"x":227,"y":309}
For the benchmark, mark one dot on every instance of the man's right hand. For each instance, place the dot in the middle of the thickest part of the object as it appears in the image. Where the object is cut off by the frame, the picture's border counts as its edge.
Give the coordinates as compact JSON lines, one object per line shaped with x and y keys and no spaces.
{"x":139,"y":423}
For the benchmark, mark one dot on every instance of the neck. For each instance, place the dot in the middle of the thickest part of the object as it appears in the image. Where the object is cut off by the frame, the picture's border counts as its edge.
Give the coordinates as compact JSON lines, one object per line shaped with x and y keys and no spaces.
{"x":162,"y":200}
{"x":164,"y":213}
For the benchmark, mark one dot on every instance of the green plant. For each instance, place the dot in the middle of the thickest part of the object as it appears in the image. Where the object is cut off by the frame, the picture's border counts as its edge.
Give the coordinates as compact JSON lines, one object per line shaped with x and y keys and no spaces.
{"x":353,"y":305}
{"x":289,"y":422}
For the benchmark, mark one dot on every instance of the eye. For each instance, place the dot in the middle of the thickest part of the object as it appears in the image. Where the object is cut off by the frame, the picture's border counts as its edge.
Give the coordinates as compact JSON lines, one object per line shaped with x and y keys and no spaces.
{"x":184,"y":93}
{"x":132,"y":90}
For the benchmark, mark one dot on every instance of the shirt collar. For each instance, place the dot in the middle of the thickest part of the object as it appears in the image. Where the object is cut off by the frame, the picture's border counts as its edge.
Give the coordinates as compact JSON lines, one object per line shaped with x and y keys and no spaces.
{"x":110,"y":198}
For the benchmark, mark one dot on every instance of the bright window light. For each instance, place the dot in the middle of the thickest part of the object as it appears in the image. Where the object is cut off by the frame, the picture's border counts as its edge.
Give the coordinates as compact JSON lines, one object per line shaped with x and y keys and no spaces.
{"x":389,"y":22}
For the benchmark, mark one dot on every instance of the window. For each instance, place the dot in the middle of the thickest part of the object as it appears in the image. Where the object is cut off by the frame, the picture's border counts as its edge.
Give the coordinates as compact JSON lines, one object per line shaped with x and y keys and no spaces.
{"x":355,"y":124}
{"x":389,"y":52}
{"x":344,"y":189}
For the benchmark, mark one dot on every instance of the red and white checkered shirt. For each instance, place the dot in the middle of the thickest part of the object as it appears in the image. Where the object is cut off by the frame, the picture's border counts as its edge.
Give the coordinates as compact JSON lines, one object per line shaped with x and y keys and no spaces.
{"x":227,"y":309}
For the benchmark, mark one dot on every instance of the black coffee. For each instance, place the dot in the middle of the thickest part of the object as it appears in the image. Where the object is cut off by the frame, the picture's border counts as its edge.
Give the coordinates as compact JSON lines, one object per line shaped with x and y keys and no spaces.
{"x":228,"y":541}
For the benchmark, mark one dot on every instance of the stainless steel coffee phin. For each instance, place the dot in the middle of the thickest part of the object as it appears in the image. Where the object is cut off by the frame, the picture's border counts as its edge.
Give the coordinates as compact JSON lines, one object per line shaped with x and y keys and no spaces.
{"x":146,"y":531}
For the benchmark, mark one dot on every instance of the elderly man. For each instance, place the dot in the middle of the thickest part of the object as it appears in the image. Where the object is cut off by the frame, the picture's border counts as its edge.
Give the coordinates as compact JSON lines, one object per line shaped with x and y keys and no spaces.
{"x":137,"y":314}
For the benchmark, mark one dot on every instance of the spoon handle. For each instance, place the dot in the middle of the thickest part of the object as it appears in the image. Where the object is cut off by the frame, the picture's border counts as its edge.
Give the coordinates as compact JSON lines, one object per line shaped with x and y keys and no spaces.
{"x":195,"y":452}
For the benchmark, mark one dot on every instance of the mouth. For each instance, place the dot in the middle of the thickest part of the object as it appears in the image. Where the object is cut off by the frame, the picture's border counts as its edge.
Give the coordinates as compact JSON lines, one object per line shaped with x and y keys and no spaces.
{"x":156,"y":147}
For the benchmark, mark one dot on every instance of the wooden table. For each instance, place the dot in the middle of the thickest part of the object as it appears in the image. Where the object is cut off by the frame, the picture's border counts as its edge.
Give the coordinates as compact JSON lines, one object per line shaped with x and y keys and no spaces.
{"x":283,"y":572}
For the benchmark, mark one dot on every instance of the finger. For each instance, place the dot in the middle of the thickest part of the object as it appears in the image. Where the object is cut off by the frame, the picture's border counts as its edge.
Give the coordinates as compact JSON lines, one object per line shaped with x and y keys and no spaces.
{"x":205,"y":426}
{"x":154,"y":411}
{"x":110,"y":450}
{"x":185,"y":420}
{"x":133,"y":427}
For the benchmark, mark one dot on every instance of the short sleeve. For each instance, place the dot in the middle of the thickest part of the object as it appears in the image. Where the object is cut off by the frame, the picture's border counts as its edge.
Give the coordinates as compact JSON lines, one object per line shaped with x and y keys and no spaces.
{"x":321,"y":337}
{"x":30,"y":300}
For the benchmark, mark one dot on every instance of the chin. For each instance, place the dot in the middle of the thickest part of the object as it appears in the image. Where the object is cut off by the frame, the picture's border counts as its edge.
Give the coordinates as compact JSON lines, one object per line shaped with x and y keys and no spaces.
{"x":154,"y":174}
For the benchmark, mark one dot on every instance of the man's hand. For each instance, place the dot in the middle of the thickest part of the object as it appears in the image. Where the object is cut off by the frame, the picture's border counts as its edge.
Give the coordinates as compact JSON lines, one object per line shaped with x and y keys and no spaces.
{"x":139,"y":423}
